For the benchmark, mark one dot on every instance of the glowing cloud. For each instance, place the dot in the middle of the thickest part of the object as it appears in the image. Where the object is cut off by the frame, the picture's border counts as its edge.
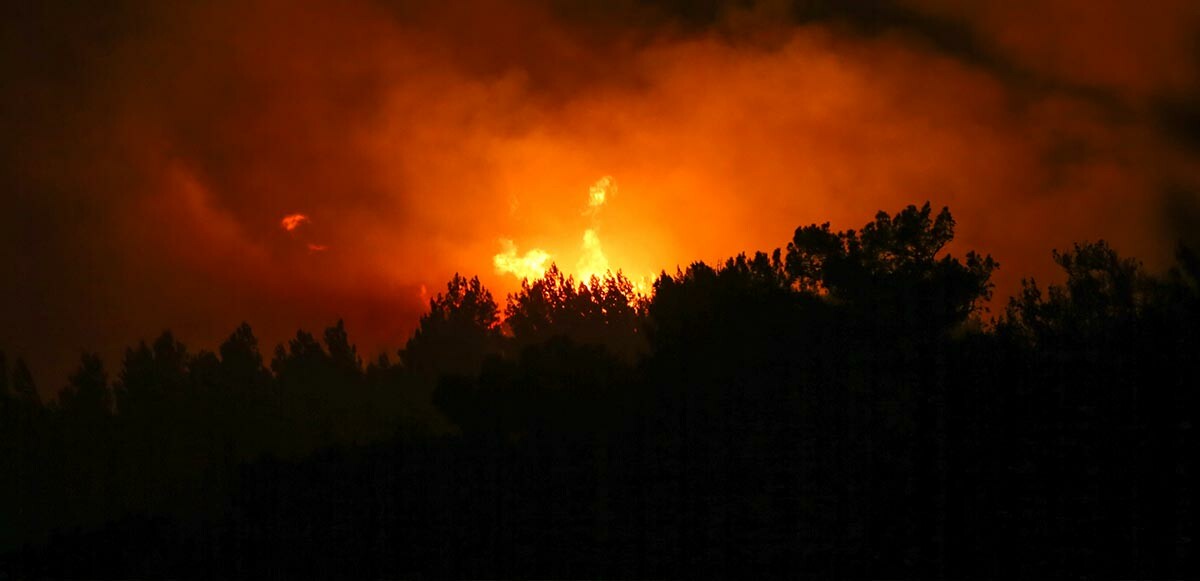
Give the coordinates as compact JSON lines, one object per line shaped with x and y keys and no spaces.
{"x":293,"y":221}
{"x":418,"y":135}
{"x":599,"y":193}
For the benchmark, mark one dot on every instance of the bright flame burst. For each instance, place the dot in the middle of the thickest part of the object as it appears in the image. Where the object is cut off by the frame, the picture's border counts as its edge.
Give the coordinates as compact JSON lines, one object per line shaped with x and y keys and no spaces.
{"x":532,"y":265}
{"x":592,"y":261}
{"x":293,"y":221}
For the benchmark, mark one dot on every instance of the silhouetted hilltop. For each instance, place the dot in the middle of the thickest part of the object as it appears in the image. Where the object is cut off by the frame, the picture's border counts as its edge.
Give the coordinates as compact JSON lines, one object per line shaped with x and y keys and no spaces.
{"x":839,"y":407}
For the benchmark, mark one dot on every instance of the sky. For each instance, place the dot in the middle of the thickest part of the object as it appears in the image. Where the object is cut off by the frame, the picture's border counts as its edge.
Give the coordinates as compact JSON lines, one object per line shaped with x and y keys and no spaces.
{"x":193,"y":165}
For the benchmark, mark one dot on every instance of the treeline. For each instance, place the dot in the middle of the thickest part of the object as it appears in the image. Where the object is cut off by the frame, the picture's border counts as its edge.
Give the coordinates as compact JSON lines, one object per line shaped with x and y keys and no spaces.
{"x":840,"y":407}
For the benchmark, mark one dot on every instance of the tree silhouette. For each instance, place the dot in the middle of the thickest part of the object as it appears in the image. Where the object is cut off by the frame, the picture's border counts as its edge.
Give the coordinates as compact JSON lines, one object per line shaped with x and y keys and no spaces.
{"x":23,"y":386}
{"x":833,"y":409}
{"x":1102,"y":290}
{"x":4,"y":395}
{"x":892,"y":266}
{"x":87,"y":395}
{"x":152,"y":379}
{"x":460,"y":330}
{"x":604,"y":311}
{"x":342,"y":353}
{"x":241,"y":361}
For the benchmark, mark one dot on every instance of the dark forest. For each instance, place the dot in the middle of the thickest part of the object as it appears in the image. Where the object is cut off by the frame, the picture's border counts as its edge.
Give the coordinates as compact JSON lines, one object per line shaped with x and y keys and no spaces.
{"x":855,"y":404}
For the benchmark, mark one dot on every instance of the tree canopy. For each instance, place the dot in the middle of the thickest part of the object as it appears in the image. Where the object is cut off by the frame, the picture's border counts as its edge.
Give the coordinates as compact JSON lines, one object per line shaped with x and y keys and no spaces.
{"x":837,"y":407}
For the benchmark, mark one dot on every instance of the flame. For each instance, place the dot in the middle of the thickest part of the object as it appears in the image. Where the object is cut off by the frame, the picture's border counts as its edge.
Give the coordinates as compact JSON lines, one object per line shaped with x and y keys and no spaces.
{"x":293,"y":221}
{"x":531,"y":265}
{"x":643,"y":285}
{"x":317,"y":247}
{"x":592,"y":262}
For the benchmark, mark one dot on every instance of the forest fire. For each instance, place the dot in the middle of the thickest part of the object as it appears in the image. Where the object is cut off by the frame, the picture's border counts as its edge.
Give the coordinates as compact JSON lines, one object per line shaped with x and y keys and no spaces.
{"x":530,"y":265}
{"x":408,"y":325}
{"x":593,"y":263}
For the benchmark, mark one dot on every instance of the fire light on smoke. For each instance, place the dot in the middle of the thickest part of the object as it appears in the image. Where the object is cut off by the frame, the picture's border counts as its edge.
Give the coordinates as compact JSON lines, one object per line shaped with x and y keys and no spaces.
{"x":599,"y":193}
{"x":293,"y":221}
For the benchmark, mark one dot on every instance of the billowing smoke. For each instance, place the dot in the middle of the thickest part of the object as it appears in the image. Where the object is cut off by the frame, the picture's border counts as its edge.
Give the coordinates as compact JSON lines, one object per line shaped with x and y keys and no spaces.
{"x":152,"y":148}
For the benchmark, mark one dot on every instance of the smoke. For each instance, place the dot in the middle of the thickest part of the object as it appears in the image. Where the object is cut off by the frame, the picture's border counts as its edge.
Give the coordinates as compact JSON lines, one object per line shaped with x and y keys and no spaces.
{"x":154,"y":147}
{"x":599,"y":193}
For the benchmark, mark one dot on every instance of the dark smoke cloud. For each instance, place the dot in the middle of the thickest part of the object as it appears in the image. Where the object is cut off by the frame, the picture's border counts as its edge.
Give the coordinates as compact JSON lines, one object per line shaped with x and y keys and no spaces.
{"x":152,"y":148}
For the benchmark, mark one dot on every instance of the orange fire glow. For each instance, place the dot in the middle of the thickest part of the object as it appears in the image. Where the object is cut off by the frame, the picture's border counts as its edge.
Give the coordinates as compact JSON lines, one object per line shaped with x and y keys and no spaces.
{"x":413,"y":140}
{"x":532,"y":264}
{"x":592,"y":260}
{"x":599,"y":193}
{"x":293,"y":221}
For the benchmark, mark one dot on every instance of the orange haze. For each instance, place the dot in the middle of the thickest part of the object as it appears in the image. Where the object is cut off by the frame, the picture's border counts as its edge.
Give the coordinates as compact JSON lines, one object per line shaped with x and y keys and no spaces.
{"x":420,"y":140}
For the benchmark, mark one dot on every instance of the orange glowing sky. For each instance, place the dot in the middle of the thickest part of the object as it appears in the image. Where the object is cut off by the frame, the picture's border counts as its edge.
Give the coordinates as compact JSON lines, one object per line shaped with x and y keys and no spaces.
{"x":290,"y":163}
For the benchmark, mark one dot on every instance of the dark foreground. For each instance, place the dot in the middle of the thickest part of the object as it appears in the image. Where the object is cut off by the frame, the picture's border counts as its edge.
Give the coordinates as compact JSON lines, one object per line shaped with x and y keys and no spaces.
{"x":836,"y":409}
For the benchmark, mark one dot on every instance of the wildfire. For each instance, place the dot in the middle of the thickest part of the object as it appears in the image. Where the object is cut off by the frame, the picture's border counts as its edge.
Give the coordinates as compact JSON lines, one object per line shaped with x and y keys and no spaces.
{"x":592,"y":261}
{"x":293,"y":221}
{"x":532,"y":264}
